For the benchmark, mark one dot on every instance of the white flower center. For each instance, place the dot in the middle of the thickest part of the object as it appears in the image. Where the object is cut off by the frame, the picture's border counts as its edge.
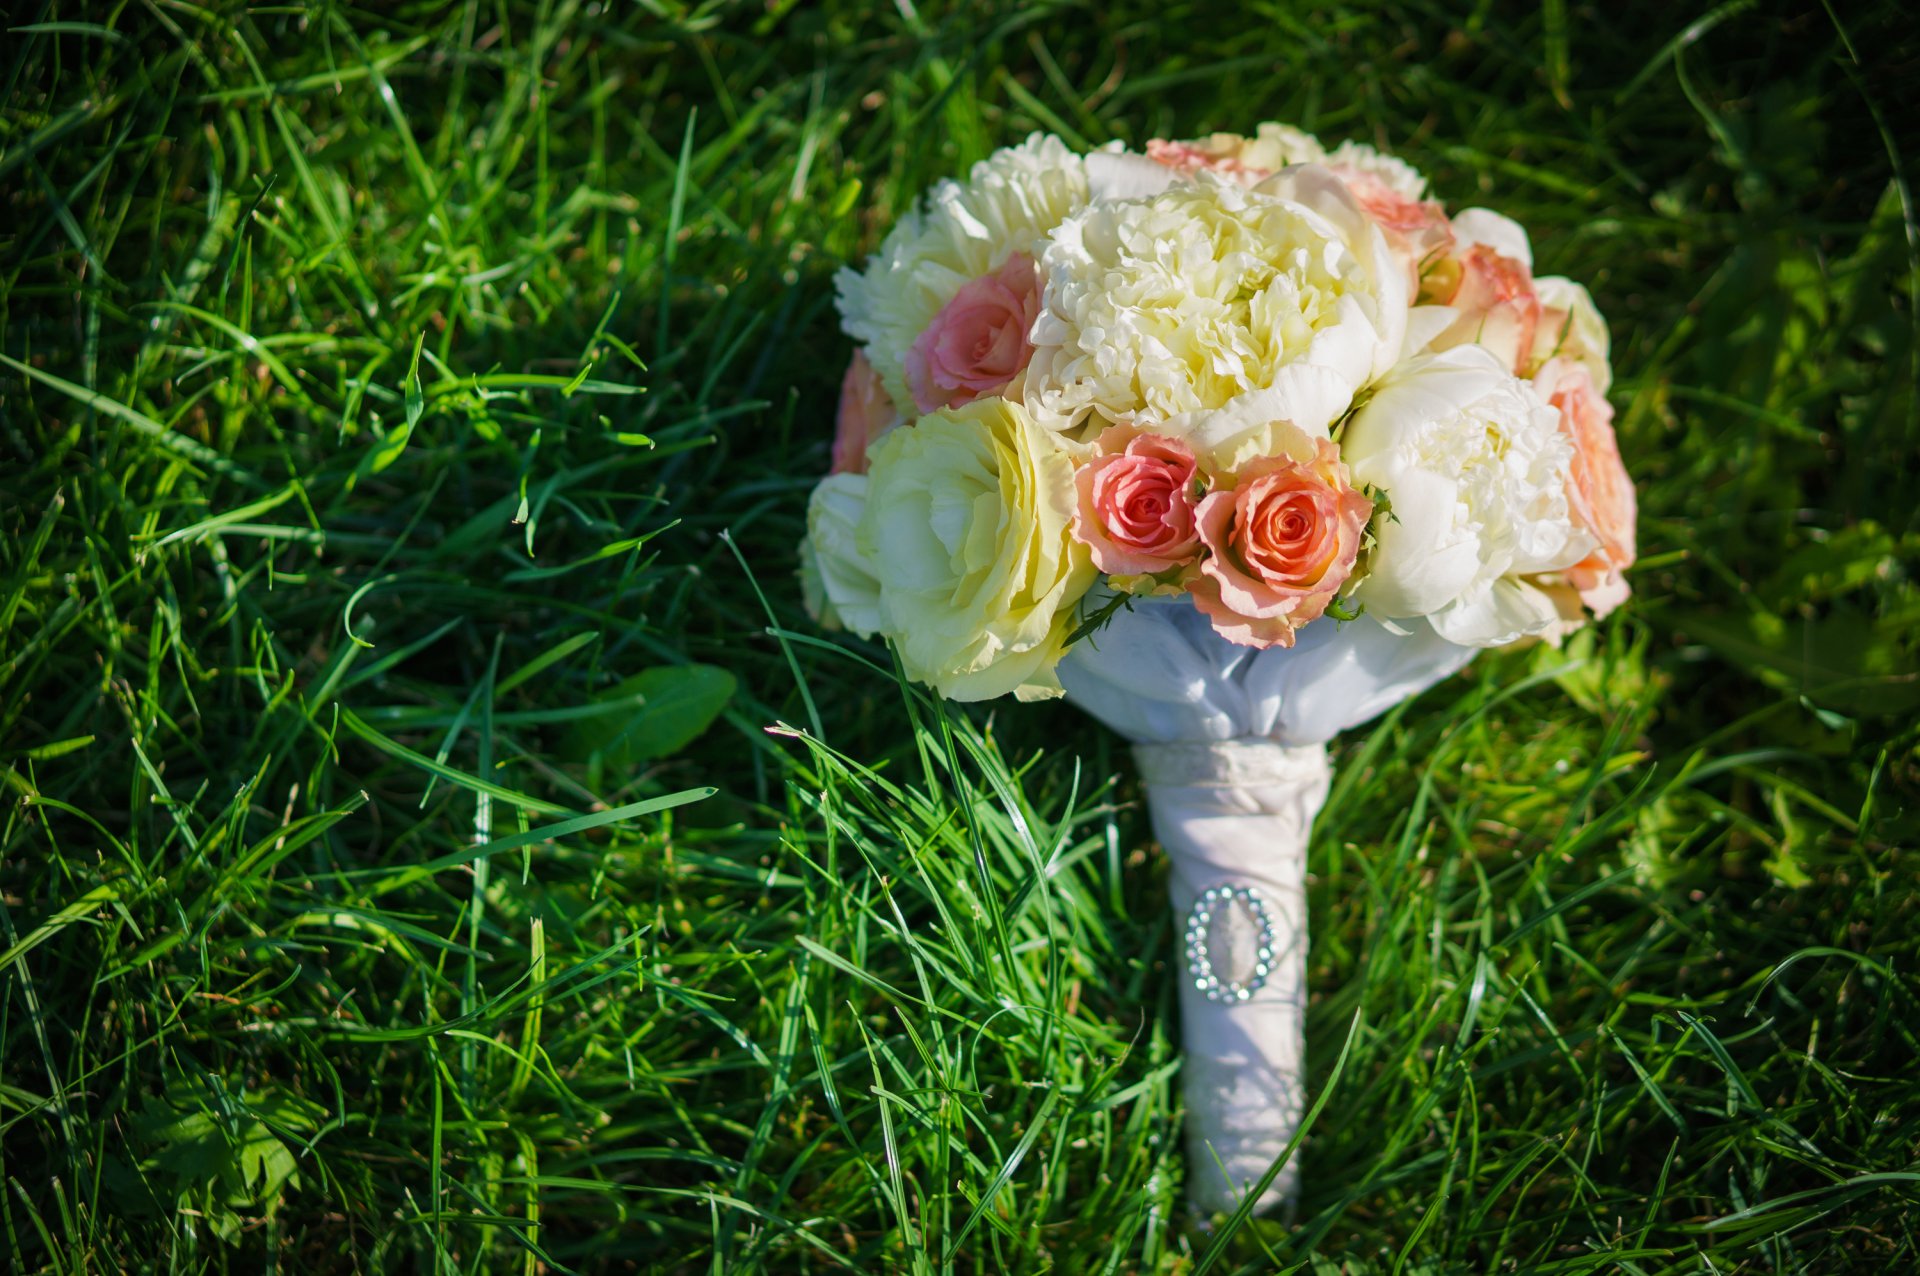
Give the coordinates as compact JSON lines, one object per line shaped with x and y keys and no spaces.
{"x":1180,"y":302}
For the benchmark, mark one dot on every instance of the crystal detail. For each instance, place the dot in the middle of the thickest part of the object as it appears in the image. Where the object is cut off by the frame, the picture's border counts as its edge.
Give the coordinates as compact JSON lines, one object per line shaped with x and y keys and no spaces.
{"x":1230,"y":943}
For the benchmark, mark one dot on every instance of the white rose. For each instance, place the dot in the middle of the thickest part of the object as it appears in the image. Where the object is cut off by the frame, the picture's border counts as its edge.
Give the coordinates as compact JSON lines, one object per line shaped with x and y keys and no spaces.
{"x":1182,"y":302}
{"x":1473,"y":467}
{"x":837,"y":581}
{"x":968,"y":530}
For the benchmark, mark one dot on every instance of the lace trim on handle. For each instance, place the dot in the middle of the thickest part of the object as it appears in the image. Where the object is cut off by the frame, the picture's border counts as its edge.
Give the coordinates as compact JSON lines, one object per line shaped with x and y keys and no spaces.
{"x":1229,"y":764}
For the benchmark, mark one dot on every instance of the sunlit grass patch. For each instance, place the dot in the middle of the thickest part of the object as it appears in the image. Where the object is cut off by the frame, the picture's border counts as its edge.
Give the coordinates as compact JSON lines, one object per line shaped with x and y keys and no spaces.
{"x":436,"y":839}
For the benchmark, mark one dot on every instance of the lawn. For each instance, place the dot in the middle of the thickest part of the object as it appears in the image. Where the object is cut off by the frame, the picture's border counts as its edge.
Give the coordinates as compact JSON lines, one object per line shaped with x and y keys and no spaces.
{"x":436,"y":839}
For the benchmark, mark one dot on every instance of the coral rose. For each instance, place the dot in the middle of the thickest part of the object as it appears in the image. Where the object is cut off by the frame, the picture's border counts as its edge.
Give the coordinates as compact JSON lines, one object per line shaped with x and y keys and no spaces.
{"x":978,"y":343}
{"x":1599,"y":493}
{"x":1136,"y":512}
{"x":1283,"y":541}
{"x":866,"y":413}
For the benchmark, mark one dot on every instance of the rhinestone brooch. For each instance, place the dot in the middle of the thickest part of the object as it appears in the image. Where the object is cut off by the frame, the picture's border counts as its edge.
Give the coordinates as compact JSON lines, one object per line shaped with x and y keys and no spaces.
{"x":1210,"y":928}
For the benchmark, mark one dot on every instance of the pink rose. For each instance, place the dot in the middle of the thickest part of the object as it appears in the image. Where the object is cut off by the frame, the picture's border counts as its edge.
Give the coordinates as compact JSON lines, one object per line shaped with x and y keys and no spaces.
{"x":979,"y":340}
{"x":1282,"y":541}
{"x":1136,"y":510}
{"x":1599,"y":492}
{"x":866,"y":413}
{"x":1416,"y":229}
{"x":1498,"y":306}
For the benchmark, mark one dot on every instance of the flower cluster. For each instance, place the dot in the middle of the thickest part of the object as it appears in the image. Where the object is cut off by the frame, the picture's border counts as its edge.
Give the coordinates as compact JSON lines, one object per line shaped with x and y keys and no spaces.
{"x":1272,"y":378}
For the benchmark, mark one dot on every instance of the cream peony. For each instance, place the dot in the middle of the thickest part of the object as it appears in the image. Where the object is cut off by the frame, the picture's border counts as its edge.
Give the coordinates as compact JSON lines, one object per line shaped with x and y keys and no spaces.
{"x":1390,"y":190}
{"x":1473,"y":468}
{"x":964,"y":231}
{"x":837,"y":582}
{"x":1182,"y":302}
{"x":967,"y":528}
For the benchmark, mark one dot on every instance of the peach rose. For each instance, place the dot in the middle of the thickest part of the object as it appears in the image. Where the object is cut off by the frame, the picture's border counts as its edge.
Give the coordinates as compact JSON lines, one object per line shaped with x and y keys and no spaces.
{"x":1416,"y":229}
{"x":1570,"y":328}
{"x":1136,"y":511}
{"x":1599,"y":493}
{"x":1188,"y":158}
{"x":1282,"y":542}
{"x":866,"y":413}
{"x":1236,"y":157}
{"x":1494,"y":296}
{"x":978,"y":343}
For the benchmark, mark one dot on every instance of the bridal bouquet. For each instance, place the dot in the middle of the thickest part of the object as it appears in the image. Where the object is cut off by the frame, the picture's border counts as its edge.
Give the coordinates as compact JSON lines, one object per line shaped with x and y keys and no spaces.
{"x":1236,"y":442}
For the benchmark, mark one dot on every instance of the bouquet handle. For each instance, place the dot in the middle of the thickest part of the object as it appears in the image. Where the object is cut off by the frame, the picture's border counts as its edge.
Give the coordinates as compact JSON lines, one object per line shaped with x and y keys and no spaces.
{"x":1234,"y":817}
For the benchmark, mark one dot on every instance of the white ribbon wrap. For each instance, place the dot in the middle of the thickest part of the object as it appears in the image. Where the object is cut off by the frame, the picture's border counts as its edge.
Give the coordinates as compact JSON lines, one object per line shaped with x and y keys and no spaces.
{"x":1230,"y":742}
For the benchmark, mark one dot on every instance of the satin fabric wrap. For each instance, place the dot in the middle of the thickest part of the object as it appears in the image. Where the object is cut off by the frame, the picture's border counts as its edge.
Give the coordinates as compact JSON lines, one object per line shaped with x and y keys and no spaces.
{"x":1230,"y":744}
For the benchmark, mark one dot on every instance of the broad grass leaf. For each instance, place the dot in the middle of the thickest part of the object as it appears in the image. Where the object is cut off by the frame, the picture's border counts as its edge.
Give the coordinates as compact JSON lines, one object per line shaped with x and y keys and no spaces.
{"x":225,"y":1168}
{"x":1842,"y":661}
{"x":677,"y":703}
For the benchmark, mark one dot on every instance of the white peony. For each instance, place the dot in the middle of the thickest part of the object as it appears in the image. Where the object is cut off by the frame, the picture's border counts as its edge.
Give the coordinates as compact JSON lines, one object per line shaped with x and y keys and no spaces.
{"x":837,"y":581}
{"x":1183,"y":302}
{"x":964,"y":230}
{"x":1474,"y":468}
{"x":968,"y":530}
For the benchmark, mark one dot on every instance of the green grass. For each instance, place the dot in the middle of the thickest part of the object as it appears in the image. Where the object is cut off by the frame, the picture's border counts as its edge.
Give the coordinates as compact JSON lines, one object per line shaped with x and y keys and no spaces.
{"x":399,"y":406}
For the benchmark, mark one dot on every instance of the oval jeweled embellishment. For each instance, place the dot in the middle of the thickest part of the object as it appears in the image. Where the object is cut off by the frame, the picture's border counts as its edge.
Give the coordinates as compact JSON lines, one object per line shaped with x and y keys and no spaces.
{"x":1230,"y":943}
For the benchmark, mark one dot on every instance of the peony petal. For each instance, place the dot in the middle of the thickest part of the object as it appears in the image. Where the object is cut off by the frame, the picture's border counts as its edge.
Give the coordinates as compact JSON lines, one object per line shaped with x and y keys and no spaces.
{"x":1120,"y":175}
{"x":1506,"y":611}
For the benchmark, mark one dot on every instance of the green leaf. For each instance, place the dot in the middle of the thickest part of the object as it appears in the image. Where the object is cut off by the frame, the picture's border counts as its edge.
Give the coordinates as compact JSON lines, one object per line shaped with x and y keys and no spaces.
{"x":389,"y":449}
{"x":222,"y":1157}
{"x":676,"y":704}
{"x":1842,"y":661}
{"x":416,"y":401}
